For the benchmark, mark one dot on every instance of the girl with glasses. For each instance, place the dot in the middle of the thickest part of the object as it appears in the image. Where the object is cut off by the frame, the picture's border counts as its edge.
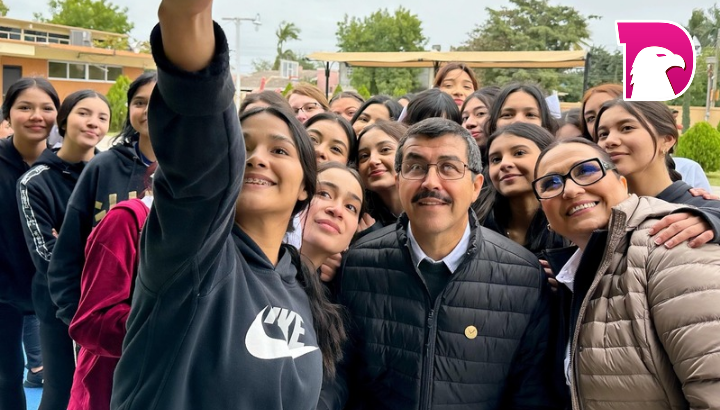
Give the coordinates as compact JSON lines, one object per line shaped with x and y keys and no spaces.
{"x":640,"y":320}
{"x":306,"y":101}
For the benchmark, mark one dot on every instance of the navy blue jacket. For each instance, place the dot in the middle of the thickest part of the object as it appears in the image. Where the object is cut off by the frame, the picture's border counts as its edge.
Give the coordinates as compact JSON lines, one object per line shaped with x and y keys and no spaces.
{"x":42,"y":196}
{"x":111,"y":177}
{"x":16,"y":266}
{"x":213,"y":325}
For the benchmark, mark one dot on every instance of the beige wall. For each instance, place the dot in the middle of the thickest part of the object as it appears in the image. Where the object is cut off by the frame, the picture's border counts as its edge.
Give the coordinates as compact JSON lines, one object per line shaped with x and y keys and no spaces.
{"x":697,"y":114}
{"x":38,"y":67}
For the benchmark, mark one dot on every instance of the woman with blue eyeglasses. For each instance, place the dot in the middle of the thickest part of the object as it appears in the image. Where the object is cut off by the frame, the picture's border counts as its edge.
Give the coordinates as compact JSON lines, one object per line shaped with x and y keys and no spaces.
{"x":641,"y":319}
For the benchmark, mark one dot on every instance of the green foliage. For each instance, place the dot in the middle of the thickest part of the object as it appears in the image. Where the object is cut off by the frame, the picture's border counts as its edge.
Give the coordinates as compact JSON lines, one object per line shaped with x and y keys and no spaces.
{"x":337,"y":91}
{"x":383,"y":31}
{"x":701,"y":143}
{"x":362,"y":90}
{"x":117,"y":96}
{"x":704,"y":25}
{"x":286,"y":91}
{"x":91,"y":14}
{"x":285,"y":32}
{"x":3,"y":8}
{"x":531,"y":25}
{"x":262,"y":65}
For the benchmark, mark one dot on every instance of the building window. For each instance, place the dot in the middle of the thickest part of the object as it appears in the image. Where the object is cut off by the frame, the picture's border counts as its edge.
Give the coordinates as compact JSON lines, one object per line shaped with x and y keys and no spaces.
{"x":82,"y":71}
{"x":10,"y":33}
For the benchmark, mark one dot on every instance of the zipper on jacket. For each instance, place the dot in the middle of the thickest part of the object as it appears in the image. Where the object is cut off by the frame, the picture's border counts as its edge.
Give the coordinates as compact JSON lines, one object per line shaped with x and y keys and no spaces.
{"x":614,"y":227}
{"x":428,"y":362}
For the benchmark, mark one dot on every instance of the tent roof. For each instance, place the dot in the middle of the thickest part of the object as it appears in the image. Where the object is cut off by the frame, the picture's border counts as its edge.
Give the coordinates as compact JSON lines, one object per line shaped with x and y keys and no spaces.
{"x":475,"y":59}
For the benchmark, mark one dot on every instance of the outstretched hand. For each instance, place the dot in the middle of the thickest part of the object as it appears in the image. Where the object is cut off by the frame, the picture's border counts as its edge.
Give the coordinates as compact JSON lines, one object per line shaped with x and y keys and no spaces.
{"x":188,"y":35}
{"x":675,"y":229}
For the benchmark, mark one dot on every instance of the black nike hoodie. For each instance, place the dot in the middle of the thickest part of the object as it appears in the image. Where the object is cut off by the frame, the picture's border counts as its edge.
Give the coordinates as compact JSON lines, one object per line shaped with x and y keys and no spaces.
{"x":110,"y":177}
{"x":213,"y":325}
{"x":42,"y":197}
{"x":16,"y":266}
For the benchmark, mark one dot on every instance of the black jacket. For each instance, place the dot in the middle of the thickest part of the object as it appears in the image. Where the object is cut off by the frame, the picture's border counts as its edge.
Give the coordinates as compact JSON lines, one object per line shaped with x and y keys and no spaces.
{"x":42,"y":196}
{"x":16,"y":266}
{"x":111,"y":177}
{"x":408,"y":353}
{"x":678,"y":193}
{"x":213,"y":325}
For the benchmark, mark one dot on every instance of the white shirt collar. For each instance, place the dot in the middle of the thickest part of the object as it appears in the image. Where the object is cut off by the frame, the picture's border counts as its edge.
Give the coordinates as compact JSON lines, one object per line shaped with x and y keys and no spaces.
{"x":568,"y":271}
{"x":452,"y":260}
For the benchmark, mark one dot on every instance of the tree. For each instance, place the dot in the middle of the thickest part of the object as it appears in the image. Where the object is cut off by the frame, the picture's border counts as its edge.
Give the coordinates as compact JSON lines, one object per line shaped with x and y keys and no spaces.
{"x":262,"y":65}
{"x":531,"y":25}
{"x":3,"y":8}
{"x":91,"y":14}
{"x":382,"y":31}
{"x":117,"y":96}
{"x":285,"y":32}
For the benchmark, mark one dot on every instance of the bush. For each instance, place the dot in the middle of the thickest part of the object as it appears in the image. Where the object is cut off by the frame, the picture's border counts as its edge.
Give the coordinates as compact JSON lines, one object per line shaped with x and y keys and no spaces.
{"x":364,"y":92}
{"x":701,"y":143}
{"x":117,"y":96}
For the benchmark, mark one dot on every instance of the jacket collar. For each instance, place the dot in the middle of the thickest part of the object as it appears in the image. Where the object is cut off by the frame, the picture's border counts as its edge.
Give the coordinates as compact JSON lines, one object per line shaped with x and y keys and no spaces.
{"x":475,"y":233}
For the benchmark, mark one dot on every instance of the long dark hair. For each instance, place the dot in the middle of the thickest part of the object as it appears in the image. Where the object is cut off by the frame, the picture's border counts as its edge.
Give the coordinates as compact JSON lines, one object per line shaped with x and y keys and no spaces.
{"x":538,"y":236}
{"x":432,"y":103}
{"x":26,"y":83}
{"x":70,"y":102}
{"x":268,"y":97}
{"x":548,"y":122}
{"x":394,"y":108}
{"x":375,"y":205}
{"x":656,"y":118}
{"x":128,"y":134}
{"x":344,"y":124}
{"x":327,"y":317}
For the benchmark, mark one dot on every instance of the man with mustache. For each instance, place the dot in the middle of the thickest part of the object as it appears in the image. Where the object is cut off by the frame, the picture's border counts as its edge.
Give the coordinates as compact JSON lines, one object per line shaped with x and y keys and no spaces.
{"x":444,"y":314}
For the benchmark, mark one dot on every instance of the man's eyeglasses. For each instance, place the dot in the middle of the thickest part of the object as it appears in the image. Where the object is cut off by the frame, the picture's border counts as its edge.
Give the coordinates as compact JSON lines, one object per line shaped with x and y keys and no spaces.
{"x":307,"y":108}
{"x":449,"y":170}
{"x":583,"y":174}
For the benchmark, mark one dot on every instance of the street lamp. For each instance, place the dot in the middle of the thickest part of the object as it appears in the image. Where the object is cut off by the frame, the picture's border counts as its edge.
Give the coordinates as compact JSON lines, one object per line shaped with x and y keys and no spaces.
{"x":256,"y":21}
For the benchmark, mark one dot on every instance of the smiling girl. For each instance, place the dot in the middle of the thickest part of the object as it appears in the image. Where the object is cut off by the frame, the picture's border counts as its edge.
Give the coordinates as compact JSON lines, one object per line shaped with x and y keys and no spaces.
{"x":224,"y":315}
{"x":112,"y":176}
{"x":43,"y":193}
{"x":30,"y":106}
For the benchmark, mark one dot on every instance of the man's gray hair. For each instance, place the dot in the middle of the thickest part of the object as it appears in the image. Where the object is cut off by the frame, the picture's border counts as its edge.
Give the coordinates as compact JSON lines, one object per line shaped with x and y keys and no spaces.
{"x":437,"y":127}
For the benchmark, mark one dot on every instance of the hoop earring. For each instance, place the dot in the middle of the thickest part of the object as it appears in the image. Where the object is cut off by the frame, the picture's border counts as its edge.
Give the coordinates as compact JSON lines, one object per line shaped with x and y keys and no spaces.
{"x":549,"y":228}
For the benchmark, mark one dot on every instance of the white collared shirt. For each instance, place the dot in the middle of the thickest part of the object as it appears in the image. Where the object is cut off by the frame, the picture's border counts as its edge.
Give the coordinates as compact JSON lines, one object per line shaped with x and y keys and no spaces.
{"x":567,"y":278}
{"x":452,"y":260}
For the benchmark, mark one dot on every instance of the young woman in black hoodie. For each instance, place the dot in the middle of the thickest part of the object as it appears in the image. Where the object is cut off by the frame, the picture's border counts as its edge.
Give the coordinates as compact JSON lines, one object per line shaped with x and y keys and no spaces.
{"x":42,"y":196}
{"x":111,"y":177}
{"x":223,"y":315}
{"x":30,"y":106}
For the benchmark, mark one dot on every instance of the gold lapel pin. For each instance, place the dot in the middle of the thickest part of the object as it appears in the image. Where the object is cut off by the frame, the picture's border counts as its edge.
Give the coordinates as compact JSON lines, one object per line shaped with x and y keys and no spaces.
{"x":471,"y":332}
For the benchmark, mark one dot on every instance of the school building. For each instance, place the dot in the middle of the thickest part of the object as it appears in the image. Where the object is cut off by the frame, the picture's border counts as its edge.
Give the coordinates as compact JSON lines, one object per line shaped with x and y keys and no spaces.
{"x":71,"y":58}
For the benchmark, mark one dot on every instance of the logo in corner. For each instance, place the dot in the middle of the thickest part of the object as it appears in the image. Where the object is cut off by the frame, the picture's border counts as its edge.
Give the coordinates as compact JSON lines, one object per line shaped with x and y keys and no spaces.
{"x":659,"y":60}
{"x":262,"y":346}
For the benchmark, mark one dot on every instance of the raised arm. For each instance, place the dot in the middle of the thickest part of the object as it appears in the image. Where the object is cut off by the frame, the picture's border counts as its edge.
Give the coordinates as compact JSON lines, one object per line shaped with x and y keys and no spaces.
{"x":196,"y":137}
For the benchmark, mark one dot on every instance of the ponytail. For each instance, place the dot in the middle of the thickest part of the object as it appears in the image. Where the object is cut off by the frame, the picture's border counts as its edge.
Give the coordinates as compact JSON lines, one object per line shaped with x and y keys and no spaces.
{"x":328,"y":318}
{"x":670,"y":163}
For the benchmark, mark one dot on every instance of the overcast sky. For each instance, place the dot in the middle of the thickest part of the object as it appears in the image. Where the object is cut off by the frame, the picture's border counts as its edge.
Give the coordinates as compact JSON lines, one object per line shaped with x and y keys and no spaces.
{"x":446,"y":25}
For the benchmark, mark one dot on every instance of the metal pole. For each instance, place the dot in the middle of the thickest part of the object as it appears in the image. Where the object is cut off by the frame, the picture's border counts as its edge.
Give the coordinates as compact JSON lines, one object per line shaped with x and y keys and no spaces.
{"x":237,"y":20}
{"x":715,"y":73}
{"x":327,"y":80}
{"x":586,"y":72}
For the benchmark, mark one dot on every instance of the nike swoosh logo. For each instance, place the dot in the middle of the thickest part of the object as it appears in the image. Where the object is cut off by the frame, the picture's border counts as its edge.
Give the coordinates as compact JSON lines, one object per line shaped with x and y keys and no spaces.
{"x":262,"y":346}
